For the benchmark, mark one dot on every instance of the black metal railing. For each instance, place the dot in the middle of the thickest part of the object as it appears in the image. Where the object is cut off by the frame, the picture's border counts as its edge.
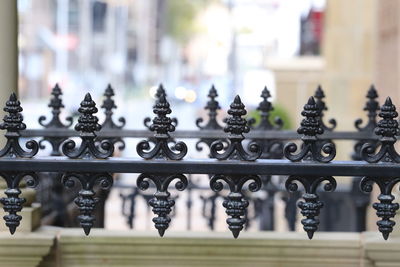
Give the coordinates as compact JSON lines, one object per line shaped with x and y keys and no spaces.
{"x":234,"y":161}
{"x":266,"y":133}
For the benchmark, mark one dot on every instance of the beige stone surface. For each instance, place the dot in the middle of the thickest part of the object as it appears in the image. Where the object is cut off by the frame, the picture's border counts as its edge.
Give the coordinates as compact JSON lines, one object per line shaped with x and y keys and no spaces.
{"x":129,"y":248}
{"x":30,"y":219}
{"x":25,"y":249}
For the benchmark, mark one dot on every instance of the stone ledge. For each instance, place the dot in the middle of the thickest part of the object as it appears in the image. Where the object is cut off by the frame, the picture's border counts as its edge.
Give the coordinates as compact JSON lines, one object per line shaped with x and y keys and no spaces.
{"x":25,"y":249}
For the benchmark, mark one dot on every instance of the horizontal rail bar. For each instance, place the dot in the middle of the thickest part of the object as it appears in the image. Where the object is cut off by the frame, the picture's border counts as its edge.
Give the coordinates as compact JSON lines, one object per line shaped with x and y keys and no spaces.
{"x":197,"y":134}
{"x":203,"y":166}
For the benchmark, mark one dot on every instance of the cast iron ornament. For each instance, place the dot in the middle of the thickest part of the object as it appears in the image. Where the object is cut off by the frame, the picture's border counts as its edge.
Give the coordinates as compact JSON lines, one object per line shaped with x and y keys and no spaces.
{"x":87,"y":126}
{"x":310,"y":128}
{"x":86,"y":201}
{"x":311,"y":206}
{"x":162,"y":125}
{"x":319,"y":96}
{"x":109,"y":124}
{"x":235,"y":204}
{"x":161,"y":202}
{"x":236,"y":126}
{"x":13,"y":123}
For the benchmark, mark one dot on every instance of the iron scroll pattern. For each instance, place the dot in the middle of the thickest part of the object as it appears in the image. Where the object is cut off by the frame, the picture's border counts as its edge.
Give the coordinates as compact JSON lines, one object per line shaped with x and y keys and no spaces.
{"x":372,"y":108}
{"x":161,"y":202}
{"x":160,"y":91}
{"x":212,"y":123}
{"x":387,"y":129}
{"x":272,"y":149}
{"x":87,"y":125}
{"x":319,"y":96}
{"x":55,"y":122}
{"x":108,"y":123}
{"x":310,"y":127}
{"x":13,"y":124}
{"x":235,"y":204}
{"x":236,"y":126}
{"x":162,"y":125}
{"x":86,"y":201}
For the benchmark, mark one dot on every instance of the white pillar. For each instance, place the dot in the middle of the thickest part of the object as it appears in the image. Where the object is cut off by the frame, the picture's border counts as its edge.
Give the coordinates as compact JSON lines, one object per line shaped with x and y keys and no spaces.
{"x":8,"y":52}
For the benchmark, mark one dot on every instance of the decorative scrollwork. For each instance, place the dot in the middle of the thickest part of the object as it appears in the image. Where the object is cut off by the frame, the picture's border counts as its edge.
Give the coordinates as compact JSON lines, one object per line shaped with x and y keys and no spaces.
{"x":160,"y":91}
{"x":12,"y":204}
{"x":87,"y":125}
{"x":385,"y":209}
{"x":13,"y":123}
{"x":235,"y":203}
{"x":310,"y":128}
{"x":387,"y":129}
{"x":161,"y":202}
{"x":372,"y":107}
{"x":213,"y":107}
{"x":265,"y":107}
{"x":86,"y":201}
{"x":236,"y":126}
{"x":109,"y":105}
{"x":212,"y":124}
{"x":162,"y":125}
{"x":109,"y":124}
{"x":310,"y":208}
{"x":272,"y":149}
{"x":319,"y":96}
{"x":55,"y":105}
{"x":55,"y":122}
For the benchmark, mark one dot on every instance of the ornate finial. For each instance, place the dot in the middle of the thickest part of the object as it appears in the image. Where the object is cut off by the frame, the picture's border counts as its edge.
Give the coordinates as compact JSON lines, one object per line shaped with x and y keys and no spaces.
{"x":212,"y":124}
{"x":310,"y":127}
{"x":13,"y":123}
{"x":108,"y":106}
{"x":55,"y":105}
{"x":162,"y":125}
{"x":319,"y":96}
{"x":86,"y":200}
{"x":236,"y":126}
{"x":161,"y":202}
{"x":235,"y":203}
{"x":88,"y":125}
{"x":372,"y":107}
{"x":387,"y":129}
{"x":213,"y":107}
{"x":271,"y":148}
{"x":12,"y":204}
{"x":265,"y":107}
{"x":160,"y":92}
{"x":385,"y":208}
{"x":55,"y":122}
{"x":311,"y":206}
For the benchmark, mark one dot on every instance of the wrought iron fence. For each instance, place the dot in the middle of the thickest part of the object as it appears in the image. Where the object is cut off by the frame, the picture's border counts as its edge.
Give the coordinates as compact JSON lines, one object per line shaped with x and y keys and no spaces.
{"x":234,"y":160}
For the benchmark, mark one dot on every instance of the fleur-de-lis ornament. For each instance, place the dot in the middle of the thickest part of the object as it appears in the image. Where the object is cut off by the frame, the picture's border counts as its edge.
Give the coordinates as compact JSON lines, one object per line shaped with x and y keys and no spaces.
{"x":212,"y":124}
{"x":55,"y":123}
{"x":87,"y":126}
{"x":387,"y":129}
{"x":13,"y":124}
{"x":160,"y":92}
{"x":108,"y":123}
{"x":272,"y":149}
{"x":162,"y":126}
{"x":310,"y":127}
{"x":319,"y":96}
{"x":236,"y":126}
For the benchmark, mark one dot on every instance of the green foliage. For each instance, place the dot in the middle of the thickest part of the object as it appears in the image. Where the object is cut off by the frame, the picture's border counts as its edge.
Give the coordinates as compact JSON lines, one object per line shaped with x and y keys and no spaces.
{"x":278,"y":111}
{"x":180,"y":18}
